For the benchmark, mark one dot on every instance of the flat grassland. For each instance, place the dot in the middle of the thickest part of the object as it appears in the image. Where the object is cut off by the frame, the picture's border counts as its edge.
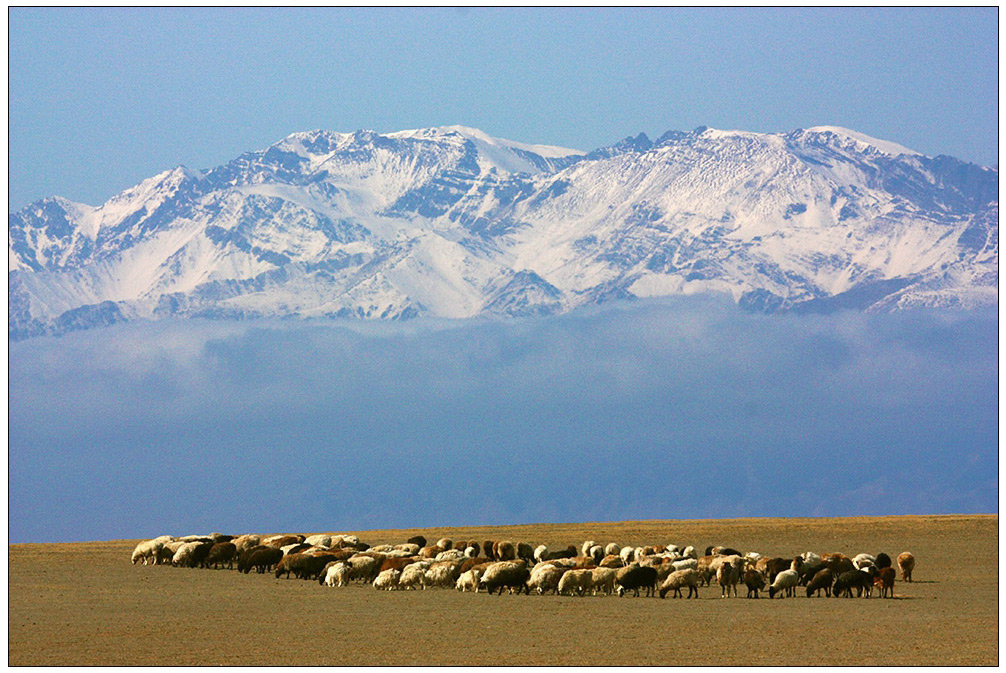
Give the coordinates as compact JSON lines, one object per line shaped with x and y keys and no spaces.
{"x":84,"y":603}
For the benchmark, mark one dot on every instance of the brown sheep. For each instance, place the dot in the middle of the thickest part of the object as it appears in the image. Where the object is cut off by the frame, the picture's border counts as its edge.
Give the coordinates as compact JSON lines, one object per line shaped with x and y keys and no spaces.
{"x":222,"y":553}
{"x":885,"y":582}
{"x":907,"y":564}
{"x":754,"y":581}
{"x":261,"y":558}
{"x":822,"y":580}
{"x":505,"y":550}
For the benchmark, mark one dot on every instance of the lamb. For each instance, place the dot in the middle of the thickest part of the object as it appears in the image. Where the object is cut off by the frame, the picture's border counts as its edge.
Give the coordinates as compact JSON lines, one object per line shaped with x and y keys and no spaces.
{"x":635,"y":577}
{"x":906,"y":562}
{"x":885,"y":582}
{"x":147,"y":551}
{"x":603,"y":579}
{"x":726,"y":576}
{"x":578,"y":581}
{"x":545,"y":577}
{"x":822,"y":580}
{"x":679,"y":579}
{"x":511,"y":574}
{"x":468,"y":581}
{"x":786,"y":581}
{"x":387,"y":579}
{"x":754,"y":581}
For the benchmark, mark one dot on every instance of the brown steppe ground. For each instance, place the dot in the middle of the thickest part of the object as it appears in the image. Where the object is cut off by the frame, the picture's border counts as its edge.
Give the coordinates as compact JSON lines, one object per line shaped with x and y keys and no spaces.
{"x":84,"y":603}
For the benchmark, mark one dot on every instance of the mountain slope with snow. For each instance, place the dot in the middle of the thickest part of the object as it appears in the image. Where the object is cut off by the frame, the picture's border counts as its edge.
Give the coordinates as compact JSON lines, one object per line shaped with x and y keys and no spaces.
{"x":453,"y":222}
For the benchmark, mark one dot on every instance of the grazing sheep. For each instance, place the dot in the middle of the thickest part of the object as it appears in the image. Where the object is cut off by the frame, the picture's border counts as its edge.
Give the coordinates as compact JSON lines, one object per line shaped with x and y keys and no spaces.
{"x":837,"y":563}
{"x":586,"y":547}
{"x":568,"y":552}
{"x":450,"y":555}
{"x":603,"y":579}
{"x":319,"y":540}
{"x":702,"y":566}
{"x":164,"y":555}
{"x":261,"y":558}
{"x":511,"y":574}
{"x":690,"y":552}
{"x":540,"y":553}
{"x":596,"y":553}
{"x":387,"y":579}
{"x":442,"y":574}
{"x":628,"y":555}
{"x":413,"y":575}
{"x":395,"y":563}
{"x":754,"y":581}
{"x":679,"y":579}
{"x":303,"y":566}
{"x":635,"y":577}
{"x":578,"y":581}
{"x":612,"y":549}
{"x":147,"y":551}
{"x":862,"y":560}
{"x":445,"y":543}
{"x":611,"y":561}
{"x":183,"y":557}
{"x":545,"y":577}
{"x":727,"y":576}
{"x":417,"y":540}
{"x":431,"y":551}
{"x":906,"y":562}
{"x":221,"y":553}
{"x":335,"y":574}
{"x":822,"y":580}
{"x":685,"y":564}
{"x":505,"y":550}
{"x":468,"y":581}
{"x":883,"y":561}
{"x":487,"y":548}
{"x":410,"y":548}
{"x":786,"y":582}
{"x":849,"y":580}
{"x":885,"y":582}
{"x":246,"y":542}
{"x":364,"y":568}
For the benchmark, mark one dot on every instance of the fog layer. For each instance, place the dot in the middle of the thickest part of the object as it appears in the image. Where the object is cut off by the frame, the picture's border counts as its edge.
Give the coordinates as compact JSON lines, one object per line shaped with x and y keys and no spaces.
{"x":655,"y":409}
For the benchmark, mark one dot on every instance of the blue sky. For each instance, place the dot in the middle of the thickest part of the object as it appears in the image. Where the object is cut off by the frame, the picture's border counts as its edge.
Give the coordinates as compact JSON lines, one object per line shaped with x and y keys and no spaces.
{"x":100,"y":99}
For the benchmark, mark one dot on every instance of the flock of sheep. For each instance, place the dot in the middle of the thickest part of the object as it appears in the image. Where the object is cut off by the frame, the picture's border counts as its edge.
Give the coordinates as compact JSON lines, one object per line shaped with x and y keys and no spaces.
{"x":337,"y":560}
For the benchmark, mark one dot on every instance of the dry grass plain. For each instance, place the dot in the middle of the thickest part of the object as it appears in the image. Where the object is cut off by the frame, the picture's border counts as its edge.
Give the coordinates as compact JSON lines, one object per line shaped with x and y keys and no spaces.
{"x":84,"y":604}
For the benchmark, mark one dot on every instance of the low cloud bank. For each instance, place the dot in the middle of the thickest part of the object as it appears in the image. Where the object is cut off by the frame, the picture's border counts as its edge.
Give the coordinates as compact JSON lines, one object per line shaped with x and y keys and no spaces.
{"x":653,"y":409}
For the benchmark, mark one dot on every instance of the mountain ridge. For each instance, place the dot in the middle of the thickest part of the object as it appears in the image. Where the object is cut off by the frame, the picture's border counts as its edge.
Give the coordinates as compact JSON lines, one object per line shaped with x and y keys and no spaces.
{"x":452,"y":222}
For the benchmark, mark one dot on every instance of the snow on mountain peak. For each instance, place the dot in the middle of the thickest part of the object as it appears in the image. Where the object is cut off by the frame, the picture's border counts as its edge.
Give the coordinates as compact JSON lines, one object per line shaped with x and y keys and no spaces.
{"x":885,"y":146}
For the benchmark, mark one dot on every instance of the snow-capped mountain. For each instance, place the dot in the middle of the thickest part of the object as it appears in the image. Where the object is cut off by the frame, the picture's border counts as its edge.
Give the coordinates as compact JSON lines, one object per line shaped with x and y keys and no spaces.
{"x":453,"y":222}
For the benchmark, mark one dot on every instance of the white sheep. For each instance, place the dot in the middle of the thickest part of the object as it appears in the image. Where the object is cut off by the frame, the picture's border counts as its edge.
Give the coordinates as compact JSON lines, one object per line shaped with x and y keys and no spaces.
{"x":689,"y":551}
{"x":679,"y":579}
{"x":603,"y":579}
{"x":468,"y":581}
{"x":387,"y":579}
{"x":336,"y":574}
{"x":545,"y":577}
{"x":413,"y":575}
{"x":685,"y":564}
{"x":441,"y":574}
{"x":627,"y":554}
{"x":586,"y":547}
{"x":540,"y":553}
{"x":319,"y":540}
{"x":727,"y":576}
{"x":183,"y":557}
{"x":861,"y":561}
{"x":580,"y":581}
{"x":450,"y":555}
{"x":611,"y":549}
{"x":411,"y":548}
{"x":786,"y":580}
{"x":147,"y":551}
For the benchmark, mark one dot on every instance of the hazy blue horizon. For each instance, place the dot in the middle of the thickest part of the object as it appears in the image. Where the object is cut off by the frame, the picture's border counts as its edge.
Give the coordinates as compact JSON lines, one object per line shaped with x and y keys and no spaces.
{"x":102,"y":98}
{"x":654,"y":409}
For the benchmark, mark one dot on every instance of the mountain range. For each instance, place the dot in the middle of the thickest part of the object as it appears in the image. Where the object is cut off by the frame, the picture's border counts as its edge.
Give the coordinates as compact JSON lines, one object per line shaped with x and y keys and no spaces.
{"x":452,"y":222}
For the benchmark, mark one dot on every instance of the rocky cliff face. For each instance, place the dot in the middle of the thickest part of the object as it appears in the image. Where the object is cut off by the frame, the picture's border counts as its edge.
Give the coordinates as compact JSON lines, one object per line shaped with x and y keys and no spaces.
{"x":452,"y":222}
